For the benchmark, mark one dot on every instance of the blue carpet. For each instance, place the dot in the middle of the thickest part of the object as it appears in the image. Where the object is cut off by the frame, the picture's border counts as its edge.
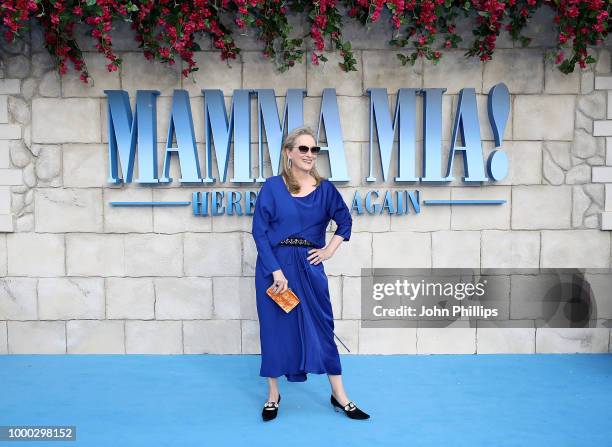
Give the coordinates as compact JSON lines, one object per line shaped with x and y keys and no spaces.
{"x":216,"y":400}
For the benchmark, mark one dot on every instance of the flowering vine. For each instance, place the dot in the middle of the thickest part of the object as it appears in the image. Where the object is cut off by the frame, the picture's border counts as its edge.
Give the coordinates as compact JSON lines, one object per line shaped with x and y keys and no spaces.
{"x":169,"y":31}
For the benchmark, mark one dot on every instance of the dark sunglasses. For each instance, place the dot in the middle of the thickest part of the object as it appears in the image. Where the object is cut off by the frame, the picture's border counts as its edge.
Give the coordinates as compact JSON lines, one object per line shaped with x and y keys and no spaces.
{"x":314,"y":149}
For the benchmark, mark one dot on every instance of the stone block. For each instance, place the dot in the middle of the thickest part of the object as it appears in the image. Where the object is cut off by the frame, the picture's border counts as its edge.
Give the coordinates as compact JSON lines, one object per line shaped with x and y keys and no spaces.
{"x":5,"y":154}
{"x":401,"y":250}
{"x":154,"y":255}
{"x":544,"y":117}
{"x":330,"y":74}
{"x":359,"y":247}
{"x":250,"y":337}
{"x":455,"y":249}
{"x":11,"y":177}
{"x":202,"y":254}
{"x":10,"y":86}
{"x":130,"y":298}
{"x":382,"y":69}
{"x":522,"y":70}
{"x":183,"y":298}
{"x":10,"y":131}
{"x":213,"y":73}
{"x":387,"y":340}
{"x":3,"y":255}
{"x":454,"y":72}
{"x":3,"y":338}
{"x":95,"y":255}
{"x":4,"y":109}
{"x":602,"y":128}
{"x":63,"y":210}
{"x":354,"y":117}
{"x":138,"y":73}
{"x":505,"y":340}
{"x":84,"y":165}
{"x":234,"y":298}
{"x":32,"y":254}
{"x":95,"y":337}
{"x":18,"y":299}
{"x":71,"y":298}
{"x":572,"y":340}
{"x":510,"y":249}
{"x":261,"y":73}
{"x":68,"y":120}
{"x":575,"y":249}
{"x":212,"y":337}
{"x":557,"y":82}
{"x":541,"y":207}
{"x":36,"y":337}
{"x":101,"y":79}
{"x":601,"y":174}
{"x":351,"y":298}
{"x":153,"y":337}
{"x":603,"y":82}
{"x":456,"y":340}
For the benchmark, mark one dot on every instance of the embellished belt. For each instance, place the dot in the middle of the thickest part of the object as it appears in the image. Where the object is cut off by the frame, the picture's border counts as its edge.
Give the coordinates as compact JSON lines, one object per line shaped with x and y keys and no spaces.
{"x":296,"y":241}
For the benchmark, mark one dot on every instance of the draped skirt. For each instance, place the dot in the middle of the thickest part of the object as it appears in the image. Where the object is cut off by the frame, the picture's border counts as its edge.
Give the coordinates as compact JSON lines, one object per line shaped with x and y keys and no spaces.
{"x":301,"y":341}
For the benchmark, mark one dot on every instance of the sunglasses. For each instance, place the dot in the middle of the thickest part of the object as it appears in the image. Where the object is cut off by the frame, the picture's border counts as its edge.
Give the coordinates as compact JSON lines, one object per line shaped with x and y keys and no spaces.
{"x":314,"y":149}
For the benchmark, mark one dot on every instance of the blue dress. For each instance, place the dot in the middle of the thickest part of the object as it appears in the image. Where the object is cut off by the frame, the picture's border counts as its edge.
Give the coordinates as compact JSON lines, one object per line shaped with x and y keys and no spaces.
{"x":302,"y":340}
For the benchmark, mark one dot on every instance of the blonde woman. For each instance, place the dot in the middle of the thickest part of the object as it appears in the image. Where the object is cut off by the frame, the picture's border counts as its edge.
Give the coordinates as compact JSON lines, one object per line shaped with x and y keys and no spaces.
{"x":292,"y":212}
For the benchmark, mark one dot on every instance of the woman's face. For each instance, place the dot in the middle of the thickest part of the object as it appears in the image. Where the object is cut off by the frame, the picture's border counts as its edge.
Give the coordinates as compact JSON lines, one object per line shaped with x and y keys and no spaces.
{"x":301,"y":161}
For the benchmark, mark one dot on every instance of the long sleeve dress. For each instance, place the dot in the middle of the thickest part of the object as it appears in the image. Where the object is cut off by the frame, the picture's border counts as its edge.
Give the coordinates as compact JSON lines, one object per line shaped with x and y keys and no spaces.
{"x":300,"y":341}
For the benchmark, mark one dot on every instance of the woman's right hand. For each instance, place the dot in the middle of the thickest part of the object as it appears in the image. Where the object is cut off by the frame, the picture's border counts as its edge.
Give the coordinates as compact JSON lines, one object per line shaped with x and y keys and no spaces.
{"x":280,"y":282}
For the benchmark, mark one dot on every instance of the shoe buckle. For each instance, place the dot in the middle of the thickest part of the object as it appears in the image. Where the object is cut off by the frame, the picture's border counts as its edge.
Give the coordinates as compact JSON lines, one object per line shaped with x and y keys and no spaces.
{"x":351,"y":406}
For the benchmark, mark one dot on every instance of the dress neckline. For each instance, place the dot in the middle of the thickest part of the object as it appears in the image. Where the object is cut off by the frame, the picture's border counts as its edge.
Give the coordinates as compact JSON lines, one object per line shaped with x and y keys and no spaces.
{"x":298,"y":197}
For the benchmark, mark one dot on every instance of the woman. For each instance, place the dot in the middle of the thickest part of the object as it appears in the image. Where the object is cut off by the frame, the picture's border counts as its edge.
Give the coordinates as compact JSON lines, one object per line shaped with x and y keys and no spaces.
{"x":292,"y":212}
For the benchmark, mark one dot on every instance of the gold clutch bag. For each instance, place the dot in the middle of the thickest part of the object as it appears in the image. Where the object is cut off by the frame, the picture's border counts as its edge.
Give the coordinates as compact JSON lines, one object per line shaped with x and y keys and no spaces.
{"x":286,"y":300}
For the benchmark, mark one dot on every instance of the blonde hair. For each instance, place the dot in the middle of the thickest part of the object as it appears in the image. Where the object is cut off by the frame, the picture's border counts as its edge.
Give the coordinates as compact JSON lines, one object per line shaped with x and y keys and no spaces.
{"x":288,"y":143}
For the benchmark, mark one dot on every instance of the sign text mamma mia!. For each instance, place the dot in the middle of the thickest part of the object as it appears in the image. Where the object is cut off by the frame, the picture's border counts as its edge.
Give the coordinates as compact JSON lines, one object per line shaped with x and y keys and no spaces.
{"x":130,"y":131}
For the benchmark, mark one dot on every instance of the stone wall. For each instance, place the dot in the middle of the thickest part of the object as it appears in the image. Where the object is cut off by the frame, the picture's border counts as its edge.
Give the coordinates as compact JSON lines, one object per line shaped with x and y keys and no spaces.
{"x":80,"y":276}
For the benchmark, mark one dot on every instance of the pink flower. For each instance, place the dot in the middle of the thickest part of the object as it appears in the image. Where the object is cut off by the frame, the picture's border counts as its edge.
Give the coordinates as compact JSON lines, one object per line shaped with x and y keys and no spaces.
{"x":559,"y":58}
{"x":573,"y":12}
{"x":164,"y":52}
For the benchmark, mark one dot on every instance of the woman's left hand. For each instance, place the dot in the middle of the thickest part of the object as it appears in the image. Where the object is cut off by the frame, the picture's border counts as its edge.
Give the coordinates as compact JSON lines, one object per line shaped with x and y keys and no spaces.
{"x":317,"y":255}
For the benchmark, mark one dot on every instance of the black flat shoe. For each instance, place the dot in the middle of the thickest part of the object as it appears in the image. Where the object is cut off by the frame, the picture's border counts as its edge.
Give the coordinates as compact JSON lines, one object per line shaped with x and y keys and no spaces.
{"x":349,"y":409}
{"x":270,"y":409}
